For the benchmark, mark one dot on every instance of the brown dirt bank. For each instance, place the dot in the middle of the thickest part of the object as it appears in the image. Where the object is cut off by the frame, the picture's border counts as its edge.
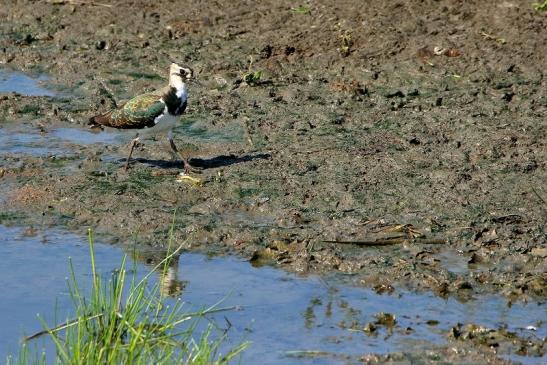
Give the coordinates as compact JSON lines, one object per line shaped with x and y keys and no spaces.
{"x":353,"y":132}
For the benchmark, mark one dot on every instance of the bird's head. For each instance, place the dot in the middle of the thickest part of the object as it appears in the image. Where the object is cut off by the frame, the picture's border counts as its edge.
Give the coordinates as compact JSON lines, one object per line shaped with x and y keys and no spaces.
{"x":185,"y":73}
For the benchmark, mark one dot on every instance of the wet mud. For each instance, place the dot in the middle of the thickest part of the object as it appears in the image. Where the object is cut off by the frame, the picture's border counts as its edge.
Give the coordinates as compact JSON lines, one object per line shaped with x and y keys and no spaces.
{"x":402,"y":144}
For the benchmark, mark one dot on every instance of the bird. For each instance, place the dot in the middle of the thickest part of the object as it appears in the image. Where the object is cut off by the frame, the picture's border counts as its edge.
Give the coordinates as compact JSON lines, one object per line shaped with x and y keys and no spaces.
{"x":152,"y":113}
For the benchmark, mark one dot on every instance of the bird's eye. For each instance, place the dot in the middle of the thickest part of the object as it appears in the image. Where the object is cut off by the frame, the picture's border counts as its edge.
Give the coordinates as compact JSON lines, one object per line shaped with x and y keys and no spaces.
{"x":182,"y":72}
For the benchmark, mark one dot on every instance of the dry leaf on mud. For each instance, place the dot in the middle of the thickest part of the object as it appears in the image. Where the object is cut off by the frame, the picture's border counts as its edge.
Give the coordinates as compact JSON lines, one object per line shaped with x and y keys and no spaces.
{"x":187,"y":178}
{"x":452,"y":52}
{"x":403,"y":228}
{"x":449,"y":52}
{"x":494,"y":38}
{"x":425,"y":54}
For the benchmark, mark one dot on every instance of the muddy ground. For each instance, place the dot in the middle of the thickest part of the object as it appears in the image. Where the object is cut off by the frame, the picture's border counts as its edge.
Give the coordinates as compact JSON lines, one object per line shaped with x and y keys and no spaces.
{"x":416,"y":129}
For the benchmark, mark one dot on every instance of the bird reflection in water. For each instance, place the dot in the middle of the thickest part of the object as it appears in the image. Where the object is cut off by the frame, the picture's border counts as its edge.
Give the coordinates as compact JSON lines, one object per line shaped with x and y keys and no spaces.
{"x":166,"y":265}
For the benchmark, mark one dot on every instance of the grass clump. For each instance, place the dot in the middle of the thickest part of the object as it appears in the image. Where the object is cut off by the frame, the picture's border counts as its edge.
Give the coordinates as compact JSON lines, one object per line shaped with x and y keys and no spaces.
{"x":252,"y":78}
{"x":6,"y":217}
{"x":540,"y":6}
{"x":302,"y":9}
{"x":126,"y":321}
{"x":29,"y":109}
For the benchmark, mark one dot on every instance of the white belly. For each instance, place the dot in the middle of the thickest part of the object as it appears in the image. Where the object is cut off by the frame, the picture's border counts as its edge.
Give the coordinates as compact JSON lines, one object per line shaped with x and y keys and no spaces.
{"x":164,"y":124}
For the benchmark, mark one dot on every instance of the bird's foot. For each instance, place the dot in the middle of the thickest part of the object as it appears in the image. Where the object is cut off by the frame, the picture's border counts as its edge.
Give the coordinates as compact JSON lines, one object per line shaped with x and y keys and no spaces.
{"x":189,"y":168}
{"x":129,"y":163}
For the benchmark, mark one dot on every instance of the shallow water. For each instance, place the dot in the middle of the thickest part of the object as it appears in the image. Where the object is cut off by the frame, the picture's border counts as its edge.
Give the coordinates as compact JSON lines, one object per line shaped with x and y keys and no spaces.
{"x":280,"y":312}
{"x":83,"y":137}
{"x":59,"y":141}
{"x":22,"y":84}
{"x":19,"y":142}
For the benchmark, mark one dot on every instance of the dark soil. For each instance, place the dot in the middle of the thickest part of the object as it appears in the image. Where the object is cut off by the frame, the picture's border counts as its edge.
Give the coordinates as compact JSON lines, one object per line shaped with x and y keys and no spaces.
{"x":319,"y":125}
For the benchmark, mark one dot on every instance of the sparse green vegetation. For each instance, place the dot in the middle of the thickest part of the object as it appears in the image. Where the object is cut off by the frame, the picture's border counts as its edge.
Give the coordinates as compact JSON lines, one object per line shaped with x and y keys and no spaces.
{"x":10,"y":216}
{"x":143,"y":75}
{"x":125,"y":321}
{"x":252,"y":78}
{"x":29,"y":109}
{"x":540,"y":6}
{"x":346,"y":43}
{"x":302,"y":9}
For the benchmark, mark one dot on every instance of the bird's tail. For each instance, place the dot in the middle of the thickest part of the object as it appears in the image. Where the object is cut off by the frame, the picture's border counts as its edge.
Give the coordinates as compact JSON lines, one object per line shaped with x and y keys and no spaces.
{"x":100,"y":120}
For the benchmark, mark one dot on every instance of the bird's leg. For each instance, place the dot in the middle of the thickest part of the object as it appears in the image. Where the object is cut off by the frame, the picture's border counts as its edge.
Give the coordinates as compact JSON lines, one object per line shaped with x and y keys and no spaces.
{"x":176,"y":150}
{"x":133,"y":144}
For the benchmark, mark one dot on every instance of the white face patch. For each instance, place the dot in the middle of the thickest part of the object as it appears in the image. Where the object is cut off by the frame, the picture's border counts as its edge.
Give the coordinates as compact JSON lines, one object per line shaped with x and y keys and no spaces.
{"x":176,"y":69}
{"x":175,"y":80}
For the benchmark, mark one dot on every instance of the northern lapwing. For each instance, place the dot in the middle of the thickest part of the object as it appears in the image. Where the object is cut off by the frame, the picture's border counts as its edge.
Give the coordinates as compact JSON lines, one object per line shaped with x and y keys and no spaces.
{"x":152,"y":113}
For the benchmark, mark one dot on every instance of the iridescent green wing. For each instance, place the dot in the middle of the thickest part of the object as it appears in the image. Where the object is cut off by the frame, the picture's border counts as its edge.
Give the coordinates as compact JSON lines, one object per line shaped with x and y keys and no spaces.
{"x":138,"y":112}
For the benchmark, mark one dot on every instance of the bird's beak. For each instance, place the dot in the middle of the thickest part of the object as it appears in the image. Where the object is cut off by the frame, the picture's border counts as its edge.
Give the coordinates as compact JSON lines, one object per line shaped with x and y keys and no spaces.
{"x":190,"y":77}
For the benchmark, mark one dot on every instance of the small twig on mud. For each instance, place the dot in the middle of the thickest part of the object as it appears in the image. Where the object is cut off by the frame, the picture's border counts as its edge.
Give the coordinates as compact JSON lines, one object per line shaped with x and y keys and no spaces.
{"x":248,"y":133}
{"x":391,"y":241}
{"x":334,"y":148}
{"x":491,"y":37}
{"x":76,"y":2}
{"x":539,"y":196}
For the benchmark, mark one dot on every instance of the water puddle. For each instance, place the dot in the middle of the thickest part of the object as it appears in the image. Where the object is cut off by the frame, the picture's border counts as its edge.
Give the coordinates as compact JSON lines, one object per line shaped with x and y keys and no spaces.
{"x":59,"y":141}
{"x":280,"y":312}
{"x":83,"y":137}
{"x":22,"y":139}
{"x":18,"y":142}
{"x":22,"y":84}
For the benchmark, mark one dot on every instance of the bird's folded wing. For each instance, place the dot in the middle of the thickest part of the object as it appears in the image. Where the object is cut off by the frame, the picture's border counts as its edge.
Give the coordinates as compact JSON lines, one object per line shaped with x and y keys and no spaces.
{"x":139,"y":112}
